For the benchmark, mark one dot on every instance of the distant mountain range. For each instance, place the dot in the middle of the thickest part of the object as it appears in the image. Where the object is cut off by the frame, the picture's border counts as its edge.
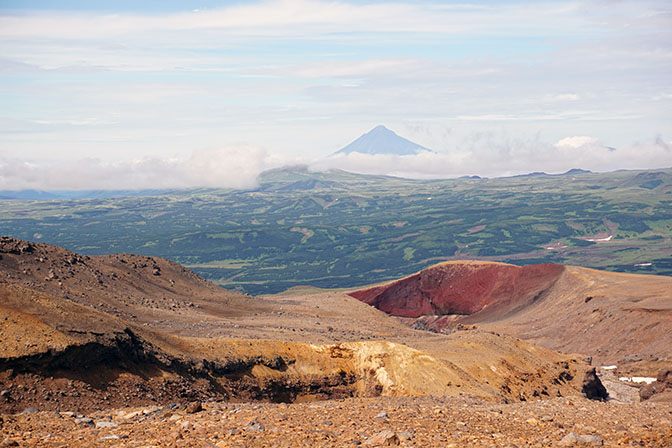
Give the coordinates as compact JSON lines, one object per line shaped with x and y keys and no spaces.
{"x":572,"y":172}
{"x":381,"y":140}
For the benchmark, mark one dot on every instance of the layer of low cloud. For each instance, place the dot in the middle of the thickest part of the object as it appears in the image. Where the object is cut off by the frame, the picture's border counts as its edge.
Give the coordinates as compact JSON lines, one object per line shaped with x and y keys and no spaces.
{"x":229,"y":167}
{"x":493,"y":155}
{"x":484,"y":154}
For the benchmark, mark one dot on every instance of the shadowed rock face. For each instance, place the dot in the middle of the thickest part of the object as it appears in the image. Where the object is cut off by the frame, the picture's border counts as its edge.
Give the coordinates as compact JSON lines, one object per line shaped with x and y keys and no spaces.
{"x":462,"y":288}
{"x":593,"y":387}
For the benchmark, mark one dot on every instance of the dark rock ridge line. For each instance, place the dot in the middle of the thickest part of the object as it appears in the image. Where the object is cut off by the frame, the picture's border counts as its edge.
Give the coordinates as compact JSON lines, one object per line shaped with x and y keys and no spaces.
{"x":127,"y":368}
{"x":125,"y":349}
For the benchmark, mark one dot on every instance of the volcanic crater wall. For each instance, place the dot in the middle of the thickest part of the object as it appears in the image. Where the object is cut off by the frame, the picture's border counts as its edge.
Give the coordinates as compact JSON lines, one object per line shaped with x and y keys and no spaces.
{"x":462,"y":288}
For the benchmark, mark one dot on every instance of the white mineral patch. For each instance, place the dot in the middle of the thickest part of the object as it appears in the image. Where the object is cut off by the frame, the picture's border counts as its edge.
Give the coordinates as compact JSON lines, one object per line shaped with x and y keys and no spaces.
{"x":637,"y":379}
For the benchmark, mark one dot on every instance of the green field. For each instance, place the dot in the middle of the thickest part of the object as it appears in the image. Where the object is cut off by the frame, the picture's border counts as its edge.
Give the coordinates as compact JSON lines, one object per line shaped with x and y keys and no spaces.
{"x":338,"y":229}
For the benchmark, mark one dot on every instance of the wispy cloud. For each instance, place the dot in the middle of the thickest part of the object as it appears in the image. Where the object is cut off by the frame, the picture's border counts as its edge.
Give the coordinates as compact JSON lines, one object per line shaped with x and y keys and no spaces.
{"x":301,"y":77}
{"x":293,"y":17}
{"x":561,"y":97}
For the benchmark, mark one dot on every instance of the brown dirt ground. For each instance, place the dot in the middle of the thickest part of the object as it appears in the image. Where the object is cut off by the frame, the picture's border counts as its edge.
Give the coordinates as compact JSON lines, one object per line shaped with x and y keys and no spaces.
{"x":414,"y":422}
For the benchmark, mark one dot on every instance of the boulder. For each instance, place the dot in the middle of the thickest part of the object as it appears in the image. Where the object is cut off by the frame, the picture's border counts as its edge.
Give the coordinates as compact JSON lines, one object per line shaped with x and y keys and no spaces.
{"x":592,"y":386}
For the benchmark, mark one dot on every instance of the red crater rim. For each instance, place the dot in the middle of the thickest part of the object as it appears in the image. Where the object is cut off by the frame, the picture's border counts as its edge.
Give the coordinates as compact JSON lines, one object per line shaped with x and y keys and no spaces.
{"x":461,"y":287}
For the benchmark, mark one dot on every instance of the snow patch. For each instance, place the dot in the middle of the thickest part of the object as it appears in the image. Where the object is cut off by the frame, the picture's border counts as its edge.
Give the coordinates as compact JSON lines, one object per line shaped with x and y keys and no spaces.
{"x":600,"y":240}
{"x":637,"y":379}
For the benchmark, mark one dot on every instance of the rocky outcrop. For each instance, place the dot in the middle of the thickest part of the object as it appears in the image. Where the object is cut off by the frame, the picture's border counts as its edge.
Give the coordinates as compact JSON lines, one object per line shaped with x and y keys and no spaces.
{"x":659,"y":390}
{"x":592,"y":386}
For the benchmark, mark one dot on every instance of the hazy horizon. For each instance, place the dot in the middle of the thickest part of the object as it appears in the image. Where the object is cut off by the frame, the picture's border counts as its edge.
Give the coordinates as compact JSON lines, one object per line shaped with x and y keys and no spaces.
{"x":178,"y":95}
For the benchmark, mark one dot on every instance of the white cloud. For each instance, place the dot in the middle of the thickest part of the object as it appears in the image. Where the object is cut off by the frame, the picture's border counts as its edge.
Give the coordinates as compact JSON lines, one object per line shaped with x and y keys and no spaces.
{"x":577,"y":142}
{"x":423,"y":165}
{"x":293,"y":17}
{"x":92,"y":121}
{"x":495,"y":154}
{"x":488,"y":154}
{"x":562,"y":97}
{"x":230,"y":167}
{"x":358,"y":68}
{"x":302,"y":76}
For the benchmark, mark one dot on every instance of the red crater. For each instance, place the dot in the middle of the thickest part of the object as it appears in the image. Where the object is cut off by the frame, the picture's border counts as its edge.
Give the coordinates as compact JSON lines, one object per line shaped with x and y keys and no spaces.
{"x":462,"y":287}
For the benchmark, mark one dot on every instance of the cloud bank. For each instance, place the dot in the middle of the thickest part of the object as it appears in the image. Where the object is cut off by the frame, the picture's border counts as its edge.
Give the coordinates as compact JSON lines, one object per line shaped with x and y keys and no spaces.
{"x":229,"y":167}
{"x":493,"y":155}
{"x":483,"y":154}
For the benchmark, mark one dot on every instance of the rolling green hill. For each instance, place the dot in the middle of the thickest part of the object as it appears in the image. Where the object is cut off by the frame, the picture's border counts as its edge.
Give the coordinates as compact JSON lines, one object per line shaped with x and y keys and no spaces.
{"x":338,"y":229}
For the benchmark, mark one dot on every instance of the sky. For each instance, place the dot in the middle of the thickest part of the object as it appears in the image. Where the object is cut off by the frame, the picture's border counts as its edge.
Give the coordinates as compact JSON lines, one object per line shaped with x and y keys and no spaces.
{"x":178,"y":94}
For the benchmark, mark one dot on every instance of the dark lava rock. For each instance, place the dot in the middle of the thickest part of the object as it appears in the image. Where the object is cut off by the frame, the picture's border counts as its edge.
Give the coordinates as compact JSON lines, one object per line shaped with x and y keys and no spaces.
{"x":592,"y":386}
{"x":194,"y":407}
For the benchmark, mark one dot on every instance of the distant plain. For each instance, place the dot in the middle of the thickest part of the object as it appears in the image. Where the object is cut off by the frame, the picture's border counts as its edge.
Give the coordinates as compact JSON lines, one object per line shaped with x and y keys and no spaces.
{"x":336,"y":229}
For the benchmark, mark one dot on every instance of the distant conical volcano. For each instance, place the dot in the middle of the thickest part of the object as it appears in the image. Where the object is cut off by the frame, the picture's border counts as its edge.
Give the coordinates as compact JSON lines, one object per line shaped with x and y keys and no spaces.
{"x":381,"y":140}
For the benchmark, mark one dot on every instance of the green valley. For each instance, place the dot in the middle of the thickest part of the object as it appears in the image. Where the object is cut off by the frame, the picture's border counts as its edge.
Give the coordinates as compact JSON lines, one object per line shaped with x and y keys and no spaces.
{"x":337,"y":229}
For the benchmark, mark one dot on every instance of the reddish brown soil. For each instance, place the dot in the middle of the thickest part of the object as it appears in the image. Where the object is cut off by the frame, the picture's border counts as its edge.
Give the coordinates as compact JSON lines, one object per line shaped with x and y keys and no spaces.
{"x":614,"y":318}
{"x":462,"y":288}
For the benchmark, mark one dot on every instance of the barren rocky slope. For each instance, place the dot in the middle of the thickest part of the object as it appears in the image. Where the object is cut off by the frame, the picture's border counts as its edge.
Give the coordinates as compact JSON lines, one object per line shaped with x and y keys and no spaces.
{"x":90,"y":332}
{"x":95,"y":338}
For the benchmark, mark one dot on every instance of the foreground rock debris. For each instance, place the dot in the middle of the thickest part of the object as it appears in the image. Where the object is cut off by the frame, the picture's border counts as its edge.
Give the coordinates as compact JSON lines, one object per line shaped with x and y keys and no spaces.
{"x":124,"y":350}
{"x":411,"y":422}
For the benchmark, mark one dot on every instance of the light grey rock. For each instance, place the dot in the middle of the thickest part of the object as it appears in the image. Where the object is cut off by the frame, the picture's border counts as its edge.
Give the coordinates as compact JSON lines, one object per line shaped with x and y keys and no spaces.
{"x":254,"y":426}
{"x":84,"y":421}
{"x":405,"y":436}
{"x":383,"y":438}
{"x":584,"y":439}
